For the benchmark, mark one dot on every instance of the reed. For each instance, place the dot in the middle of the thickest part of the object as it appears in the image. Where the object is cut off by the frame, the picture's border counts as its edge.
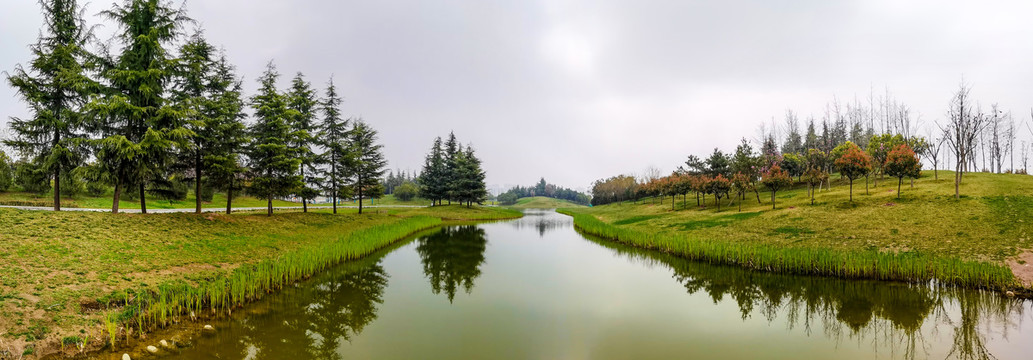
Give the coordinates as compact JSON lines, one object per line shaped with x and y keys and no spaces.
{"x":909,"y":266}
{"x":147,"y":308}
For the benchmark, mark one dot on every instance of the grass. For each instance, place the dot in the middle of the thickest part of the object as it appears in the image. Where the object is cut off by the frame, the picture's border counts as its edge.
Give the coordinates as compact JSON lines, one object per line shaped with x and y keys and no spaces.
{"x":541,"y":202}
{"x":923,"y":235}
{"x":104,"y":202}
{"x":114,"y":276}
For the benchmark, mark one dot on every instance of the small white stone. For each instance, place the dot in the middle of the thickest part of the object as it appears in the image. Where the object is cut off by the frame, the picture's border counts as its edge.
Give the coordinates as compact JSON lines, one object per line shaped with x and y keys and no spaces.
{"x":1010,"y":293}
{"x":165,"y":344}
{"x":151,"y":349}
{"x":126,"y":357}
{"x":209,"y":328}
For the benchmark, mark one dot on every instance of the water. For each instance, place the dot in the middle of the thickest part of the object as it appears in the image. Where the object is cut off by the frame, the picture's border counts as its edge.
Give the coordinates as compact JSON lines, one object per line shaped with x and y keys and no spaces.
{"x":534,"y":288}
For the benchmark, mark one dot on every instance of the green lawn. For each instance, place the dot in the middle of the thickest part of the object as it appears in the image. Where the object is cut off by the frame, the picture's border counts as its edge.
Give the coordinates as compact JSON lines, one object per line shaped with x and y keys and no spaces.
{"x":104,"y":202}
{"x":541,"y":202}
{"x":52,"y":262}
{"x":993,"y":221}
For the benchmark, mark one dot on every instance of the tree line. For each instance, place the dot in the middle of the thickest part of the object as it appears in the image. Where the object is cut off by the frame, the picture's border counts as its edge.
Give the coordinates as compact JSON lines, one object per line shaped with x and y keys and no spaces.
{"x":452,"y":173}
{"x":543,"y":188}
{"x":162,"y":110}
{"x":848,"y":145}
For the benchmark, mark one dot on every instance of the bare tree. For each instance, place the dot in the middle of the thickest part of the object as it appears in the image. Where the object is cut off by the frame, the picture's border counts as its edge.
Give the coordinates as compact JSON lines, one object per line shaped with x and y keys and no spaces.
{"x":964,"y":123}
{"x":932,"y":152}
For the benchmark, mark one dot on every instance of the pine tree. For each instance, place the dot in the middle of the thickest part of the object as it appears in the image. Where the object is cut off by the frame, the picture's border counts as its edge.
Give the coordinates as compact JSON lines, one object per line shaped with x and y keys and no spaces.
{"x":333,"y":137}
{"x":302,"y":99}
{"x":142,"y":128}
{"x":432,"y":178}
{"x":472,"y":187}
{"x":193,"y":91}
{"x":811,"y":139}
{"x":56,"y":87}
{"x":226,"y":130}
{"x":452,"y":150}
{"x":369,"y":160}
{"x":273,"y":164}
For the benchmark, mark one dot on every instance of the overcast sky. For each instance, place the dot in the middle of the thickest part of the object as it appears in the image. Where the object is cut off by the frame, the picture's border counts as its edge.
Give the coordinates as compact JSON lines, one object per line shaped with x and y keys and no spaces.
{"x":579,"y":90}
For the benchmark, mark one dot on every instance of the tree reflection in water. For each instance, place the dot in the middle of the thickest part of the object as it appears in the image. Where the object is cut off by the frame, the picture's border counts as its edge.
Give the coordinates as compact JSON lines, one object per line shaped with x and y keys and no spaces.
{"x":452,"y":258}
{"x":316,"y":316}
{"x":897,"y":316}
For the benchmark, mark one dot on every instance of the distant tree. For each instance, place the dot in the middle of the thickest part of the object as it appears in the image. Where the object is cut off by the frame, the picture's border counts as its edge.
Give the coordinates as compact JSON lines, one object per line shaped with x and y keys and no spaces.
{"x":433,"y":179}
{"x":963,"y":126}
{"x":143,"y":128}
{"x":776,"y":179}
{"x":6,"y":172}
{"x":878,"y":148}
{"x":853,"y":164}
{"x":811,"y":139}
{"x":720,"y":186}
{"x":274,"y":166}
{"x":815,"y":176}
{"x":337,"y":156}
{"x":56,"y":86}
{"x":508,"y":198}
{"x":794,"y":143}
{"x":902,"y":162}
{"x":452,"y":150}
{"x":742,"y":184}
{"x":696,"y":166}
{"x":748,"y":163}
{"x":718,"y":164}
{"x":227,"y":136}
{"x":32,"y":177}
{"x":369,"y":160}
{"x":406,"y":191}
{"x":471,"y":186}
{"x":302,"y":99}
{"x":793,"y":164}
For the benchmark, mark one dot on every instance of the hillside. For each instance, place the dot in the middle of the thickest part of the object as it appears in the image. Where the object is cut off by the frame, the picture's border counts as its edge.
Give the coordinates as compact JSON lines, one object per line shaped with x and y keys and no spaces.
{"x":993,"y":220}
{"x":541,"y":202}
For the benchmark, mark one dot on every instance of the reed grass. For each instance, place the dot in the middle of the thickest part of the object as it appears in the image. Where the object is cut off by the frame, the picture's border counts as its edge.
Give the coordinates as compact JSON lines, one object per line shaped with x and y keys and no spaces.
{"x":910,"y":266}
{"x":147,"y":308}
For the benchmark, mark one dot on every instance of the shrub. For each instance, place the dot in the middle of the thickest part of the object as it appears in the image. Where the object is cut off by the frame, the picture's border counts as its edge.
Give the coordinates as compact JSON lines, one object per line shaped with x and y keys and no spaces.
{"x":407,"y":191}
{"x":776,"y":179}
{"x":6,"y":172}
{"x":854,"y":163}
{"x":31,"y":177}
{"x":901,"y":162}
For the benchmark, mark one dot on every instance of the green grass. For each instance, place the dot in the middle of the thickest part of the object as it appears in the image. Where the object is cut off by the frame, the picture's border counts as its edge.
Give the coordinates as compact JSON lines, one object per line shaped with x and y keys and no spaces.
{"x":104,"y":202}
{"x":541,"y":202}
{"x":991,"y":225}
{"x":61,"y":271}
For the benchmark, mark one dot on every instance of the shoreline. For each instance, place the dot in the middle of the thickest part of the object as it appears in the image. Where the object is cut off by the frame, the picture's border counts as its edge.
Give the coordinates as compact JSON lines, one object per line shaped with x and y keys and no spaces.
{"x":124,"y":311}
{"x":862,"y":265}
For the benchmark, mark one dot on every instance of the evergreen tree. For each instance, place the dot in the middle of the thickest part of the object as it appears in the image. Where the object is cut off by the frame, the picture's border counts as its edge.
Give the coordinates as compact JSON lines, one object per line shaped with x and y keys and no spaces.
{"x":811,"y":139}
{"x":194,"y":90}
{"x":142,"y":128}
{"x":274,"y":166}
{"x":302,"y":99}
{"x":369,"y":160}
{"x":432,"y":179}
{"x":472,"y":187}
{"x":56,"y":87}
{"x":333,"y":137}
{"x":225,"y":131}
{"x":452,"y":150}
{"x":6,"y":172}
{"x":793,"y":143}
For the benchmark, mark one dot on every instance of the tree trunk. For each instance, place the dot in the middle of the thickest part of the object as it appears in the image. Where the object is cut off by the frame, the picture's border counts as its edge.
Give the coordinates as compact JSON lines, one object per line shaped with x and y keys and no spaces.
{"x":851,"y":190}
{"x":756,"y":192}
{"x":772,"y":199}
{"x":57,"y":187}
{"x":899,"y":181}
{"x":304,"y":201}
{"x":143,"y":199}
{"x":197,"y":182}
{"x":269,"y":206}
{"x":118,"y":195}
{"x":360,"y":197}
{"x":229,"y":198}
{"x":334,"y":200}
{"x":866,"y":185}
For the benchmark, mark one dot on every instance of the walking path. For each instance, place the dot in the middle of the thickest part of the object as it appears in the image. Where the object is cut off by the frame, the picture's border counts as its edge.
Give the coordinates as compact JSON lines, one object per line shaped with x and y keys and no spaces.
{"x":210,"y":209}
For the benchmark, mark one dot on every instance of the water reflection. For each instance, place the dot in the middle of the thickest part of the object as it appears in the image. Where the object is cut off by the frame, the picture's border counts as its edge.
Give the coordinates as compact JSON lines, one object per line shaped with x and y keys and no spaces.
{"x":452,"y":258}
{"x":897,"y":316}
{"x":542,"y":221}
{"x":308,"y":321}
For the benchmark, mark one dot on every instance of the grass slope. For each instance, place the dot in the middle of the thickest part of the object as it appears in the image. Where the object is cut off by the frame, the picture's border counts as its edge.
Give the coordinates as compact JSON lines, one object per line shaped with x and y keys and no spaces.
{"x":58,"y":268}
{"x":104,"y":202}
{"x":541,"y":202}
{"x":992,"y":222}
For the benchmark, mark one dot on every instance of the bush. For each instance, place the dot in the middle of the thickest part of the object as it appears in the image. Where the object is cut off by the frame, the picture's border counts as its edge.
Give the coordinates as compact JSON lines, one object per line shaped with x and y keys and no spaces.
{"x":508,"y":199}
{"x":72,"y":183}
{"x":406,"y":192}
{"x":207,"y":193}
{"x":31,"y":178}
{"x":96,"y":189}
{"x":6,"y":172}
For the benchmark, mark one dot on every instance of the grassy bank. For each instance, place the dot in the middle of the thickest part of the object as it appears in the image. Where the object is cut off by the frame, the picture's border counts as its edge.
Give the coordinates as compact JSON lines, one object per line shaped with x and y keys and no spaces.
{"x":926,"y":234}
{"x":85,"y":278}
{"x":541,"y":202}
{"x":105,"y":202}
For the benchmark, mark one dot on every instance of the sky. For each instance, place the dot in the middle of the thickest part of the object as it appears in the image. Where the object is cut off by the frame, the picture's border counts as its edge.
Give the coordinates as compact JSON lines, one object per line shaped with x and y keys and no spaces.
{"x":578,"y":90}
